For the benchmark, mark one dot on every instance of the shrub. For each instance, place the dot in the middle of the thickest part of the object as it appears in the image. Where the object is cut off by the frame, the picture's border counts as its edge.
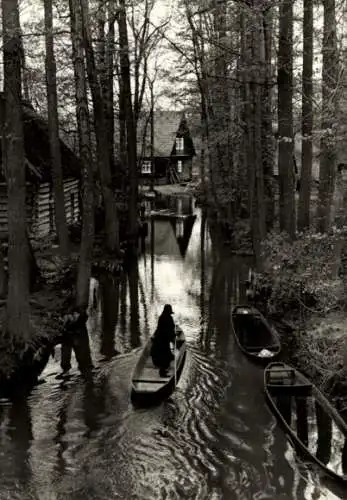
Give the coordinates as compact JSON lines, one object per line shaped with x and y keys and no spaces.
{"x":301,"y":272}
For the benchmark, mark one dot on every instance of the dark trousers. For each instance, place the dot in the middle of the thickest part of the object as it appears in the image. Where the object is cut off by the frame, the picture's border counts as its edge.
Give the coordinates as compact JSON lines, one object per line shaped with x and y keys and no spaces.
{"x":79,"y":342}
{"x":162,"y":360}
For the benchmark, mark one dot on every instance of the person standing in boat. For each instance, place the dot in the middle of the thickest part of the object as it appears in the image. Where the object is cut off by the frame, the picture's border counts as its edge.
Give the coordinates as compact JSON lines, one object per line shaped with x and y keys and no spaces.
{"x":164,"y":334}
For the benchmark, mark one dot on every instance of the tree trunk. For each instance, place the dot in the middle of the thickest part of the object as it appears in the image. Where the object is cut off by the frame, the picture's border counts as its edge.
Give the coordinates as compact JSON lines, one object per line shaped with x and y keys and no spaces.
{"x":108,"y":92}
{"x":258,"y":213}
{"x":53,"y":126}
{"x":327,"y":168}
{"x":254,"y":73}
{"x":25,"y":79}
{"x":100,"y":52}
{"x":105,"y":55}
{"x":111,"y":216}
{"x":267,"y":135}
{"x":285,"y":118}
{"x":221,"y":111}
{"x":129,"y":116}
{"x":306,"y":119}
{"x":18,"y":312}
{"x":152,"y":133}
{"x":83,"y":125}
{"x":246,"y":57}
{"x":122,"y":133}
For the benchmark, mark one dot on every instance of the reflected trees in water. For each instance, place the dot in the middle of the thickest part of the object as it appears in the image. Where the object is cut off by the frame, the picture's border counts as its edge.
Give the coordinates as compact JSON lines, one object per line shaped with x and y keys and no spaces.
{"x":59,"y":438}
{"x":324,"y":428}
{"x":21,"y":434}
{"x":132,"y":270}
{"x":93,"y":404}
{"x":219,"y":320}
{"x":110,"y":297}
{"x":227,"y":286}
{"x":123,"y":306}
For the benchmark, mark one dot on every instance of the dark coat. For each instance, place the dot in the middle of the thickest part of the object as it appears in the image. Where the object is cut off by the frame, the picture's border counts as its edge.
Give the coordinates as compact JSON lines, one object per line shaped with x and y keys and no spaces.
{"x":164,"y":334}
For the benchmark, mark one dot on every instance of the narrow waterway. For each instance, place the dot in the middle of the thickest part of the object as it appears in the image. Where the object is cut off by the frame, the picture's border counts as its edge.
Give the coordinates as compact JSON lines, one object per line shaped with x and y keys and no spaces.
{"x":214,"y":438}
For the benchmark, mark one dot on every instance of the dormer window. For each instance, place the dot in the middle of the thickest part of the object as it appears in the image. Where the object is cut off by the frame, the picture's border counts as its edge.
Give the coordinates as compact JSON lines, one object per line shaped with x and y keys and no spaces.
{"x":146,"y":167}
{"x":179,"y":145}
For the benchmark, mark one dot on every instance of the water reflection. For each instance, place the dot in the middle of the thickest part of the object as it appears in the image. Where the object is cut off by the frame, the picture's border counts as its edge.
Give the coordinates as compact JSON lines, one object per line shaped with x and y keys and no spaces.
{"x":21,"y":434}
{"x":123,"y":308}
{"x":110,"y":297}
{"x":59,"y":438}
{"x":214,"y":438}
{"x":315,"y":428}
{"x":133,"y":280}
{"x":324,"y":427}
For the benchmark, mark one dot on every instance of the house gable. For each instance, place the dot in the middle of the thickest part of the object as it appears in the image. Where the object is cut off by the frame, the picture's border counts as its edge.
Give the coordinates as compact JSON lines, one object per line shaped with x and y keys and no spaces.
{"x":183,"y":132}
{"x":168,"y":125}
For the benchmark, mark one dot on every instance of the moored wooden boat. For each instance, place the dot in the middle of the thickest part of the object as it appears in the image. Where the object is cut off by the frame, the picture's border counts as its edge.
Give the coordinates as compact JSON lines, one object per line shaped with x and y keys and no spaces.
{"x":146,"y":383}
{"x":254,"y":335}
{"x":315,"y":428}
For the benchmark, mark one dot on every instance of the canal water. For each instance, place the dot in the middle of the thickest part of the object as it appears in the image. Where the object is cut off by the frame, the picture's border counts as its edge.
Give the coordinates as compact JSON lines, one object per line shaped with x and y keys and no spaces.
{"x":214,"y":438}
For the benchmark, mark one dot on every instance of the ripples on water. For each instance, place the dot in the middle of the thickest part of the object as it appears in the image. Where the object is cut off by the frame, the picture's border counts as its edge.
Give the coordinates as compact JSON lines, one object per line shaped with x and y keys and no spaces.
{"x":214,"y":438}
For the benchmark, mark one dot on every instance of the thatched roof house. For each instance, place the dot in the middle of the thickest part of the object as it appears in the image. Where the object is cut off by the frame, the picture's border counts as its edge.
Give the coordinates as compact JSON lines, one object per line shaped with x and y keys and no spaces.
{"x":173,"y":147}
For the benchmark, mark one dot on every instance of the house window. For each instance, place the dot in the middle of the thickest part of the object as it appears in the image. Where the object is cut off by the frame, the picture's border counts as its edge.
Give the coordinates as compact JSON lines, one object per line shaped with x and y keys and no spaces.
{"x":146,"y":167}
{"x":148,"y":206}
{"x":179,"y":166}
{"x":179,"y":144}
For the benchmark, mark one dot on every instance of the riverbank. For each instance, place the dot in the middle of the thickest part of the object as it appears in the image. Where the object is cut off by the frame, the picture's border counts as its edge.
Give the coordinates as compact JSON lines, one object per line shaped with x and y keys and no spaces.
{"x":301,"y":286}
{"x":21,"y":362}
{"x":316,"y":345}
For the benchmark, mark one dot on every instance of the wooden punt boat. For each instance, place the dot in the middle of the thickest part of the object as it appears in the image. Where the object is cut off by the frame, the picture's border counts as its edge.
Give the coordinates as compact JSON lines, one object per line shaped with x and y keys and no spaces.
{"x":254,"y":335}
{"x":313,"y":425}
{"x":146,"y":383}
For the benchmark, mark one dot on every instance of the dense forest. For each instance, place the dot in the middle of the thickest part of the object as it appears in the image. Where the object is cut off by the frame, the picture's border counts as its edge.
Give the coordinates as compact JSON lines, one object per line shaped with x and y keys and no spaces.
{"x":264,"y":83}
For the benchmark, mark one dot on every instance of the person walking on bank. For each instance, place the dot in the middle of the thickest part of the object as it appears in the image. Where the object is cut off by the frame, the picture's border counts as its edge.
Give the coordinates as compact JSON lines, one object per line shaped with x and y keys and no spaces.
{"x":163,"y":336}
{"x":75,"y":336}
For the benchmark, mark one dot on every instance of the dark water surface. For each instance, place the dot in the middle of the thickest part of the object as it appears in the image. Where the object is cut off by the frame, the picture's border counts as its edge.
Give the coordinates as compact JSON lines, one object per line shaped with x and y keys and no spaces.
{"x":214,"y":438}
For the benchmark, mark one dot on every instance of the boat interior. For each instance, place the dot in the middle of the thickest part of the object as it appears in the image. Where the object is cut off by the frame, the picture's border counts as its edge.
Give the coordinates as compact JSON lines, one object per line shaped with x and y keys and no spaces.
{"x":281,"y":378}
{"x":149,"y":374}
{"x":252,"y":332}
